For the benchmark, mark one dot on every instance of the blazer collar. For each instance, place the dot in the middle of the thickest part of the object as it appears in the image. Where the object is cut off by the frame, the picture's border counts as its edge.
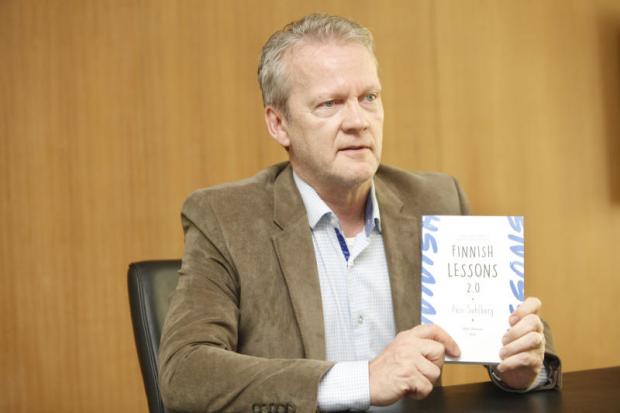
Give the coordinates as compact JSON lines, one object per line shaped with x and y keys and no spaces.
{"x":295,"y":252}
{"x":400,"y":230}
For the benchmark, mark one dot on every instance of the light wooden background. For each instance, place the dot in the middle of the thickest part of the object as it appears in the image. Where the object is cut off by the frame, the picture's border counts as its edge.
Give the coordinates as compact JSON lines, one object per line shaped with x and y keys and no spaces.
{"x":111,"y":112}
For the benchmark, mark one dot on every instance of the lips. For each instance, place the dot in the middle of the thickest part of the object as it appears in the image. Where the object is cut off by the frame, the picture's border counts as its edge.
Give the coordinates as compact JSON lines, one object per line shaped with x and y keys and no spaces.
{"x":354,"y":148}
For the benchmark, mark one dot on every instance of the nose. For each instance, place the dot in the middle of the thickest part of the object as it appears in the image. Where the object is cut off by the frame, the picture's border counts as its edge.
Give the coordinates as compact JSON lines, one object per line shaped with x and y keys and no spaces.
{"x":355,"y":118}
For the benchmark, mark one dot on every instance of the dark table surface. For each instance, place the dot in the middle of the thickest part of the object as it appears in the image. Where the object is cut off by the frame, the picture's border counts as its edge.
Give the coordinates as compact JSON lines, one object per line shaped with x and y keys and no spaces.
{"x":583,"y":391}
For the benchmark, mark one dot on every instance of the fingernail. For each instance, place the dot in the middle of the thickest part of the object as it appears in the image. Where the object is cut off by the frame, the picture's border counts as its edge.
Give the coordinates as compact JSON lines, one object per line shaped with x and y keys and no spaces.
{"x":505,"y":339}
{"x":513,"y":319}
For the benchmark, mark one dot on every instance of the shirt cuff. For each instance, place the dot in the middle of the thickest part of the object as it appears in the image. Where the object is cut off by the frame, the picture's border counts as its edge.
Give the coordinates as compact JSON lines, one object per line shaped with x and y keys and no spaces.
{"x":540,"y":381}
{"x":345,"y":387}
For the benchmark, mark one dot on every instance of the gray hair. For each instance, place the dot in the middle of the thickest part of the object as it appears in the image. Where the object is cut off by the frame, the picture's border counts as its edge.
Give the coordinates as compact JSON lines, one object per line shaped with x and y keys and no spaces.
{"x":272,"y":73}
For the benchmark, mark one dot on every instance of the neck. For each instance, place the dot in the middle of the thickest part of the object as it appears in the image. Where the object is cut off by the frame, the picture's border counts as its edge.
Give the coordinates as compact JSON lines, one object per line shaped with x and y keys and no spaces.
{"x":348,"y":203}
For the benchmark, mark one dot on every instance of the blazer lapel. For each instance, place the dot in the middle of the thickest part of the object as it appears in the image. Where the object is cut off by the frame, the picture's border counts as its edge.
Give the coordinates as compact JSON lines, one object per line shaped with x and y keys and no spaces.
{"x":402,"y":247}
{"x":295,"y":252}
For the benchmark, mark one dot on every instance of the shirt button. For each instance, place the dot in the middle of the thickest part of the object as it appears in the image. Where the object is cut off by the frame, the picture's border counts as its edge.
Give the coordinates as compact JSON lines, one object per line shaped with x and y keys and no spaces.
{"x":360,"y":319}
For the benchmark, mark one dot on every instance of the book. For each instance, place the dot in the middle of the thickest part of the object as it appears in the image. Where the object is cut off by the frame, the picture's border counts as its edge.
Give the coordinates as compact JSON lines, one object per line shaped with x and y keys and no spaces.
{"x":473,"y":278}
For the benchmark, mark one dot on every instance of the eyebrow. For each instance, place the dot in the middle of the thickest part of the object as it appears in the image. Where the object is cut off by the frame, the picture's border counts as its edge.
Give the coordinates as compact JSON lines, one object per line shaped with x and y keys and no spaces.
{"x":325,"y":96}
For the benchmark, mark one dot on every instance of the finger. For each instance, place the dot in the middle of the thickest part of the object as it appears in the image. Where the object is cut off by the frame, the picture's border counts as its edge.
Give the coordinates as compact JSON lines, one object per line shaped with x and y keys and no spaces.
{"x":531,"y":360}
{"x":428,"y":369}
{"x":431,"y":350}
{"x":531,"y":305}
{"x":434,"y":332}
{"x":419,"y":387}
{"x":531,"y":342}
{"x":527,"y":324}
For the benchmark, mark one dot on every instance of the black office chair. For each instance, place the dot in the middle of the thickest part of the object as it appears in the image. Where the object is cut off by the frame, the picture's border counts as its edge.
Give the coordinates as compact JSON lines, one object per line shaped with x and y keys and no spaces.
{"x":150,"y":284}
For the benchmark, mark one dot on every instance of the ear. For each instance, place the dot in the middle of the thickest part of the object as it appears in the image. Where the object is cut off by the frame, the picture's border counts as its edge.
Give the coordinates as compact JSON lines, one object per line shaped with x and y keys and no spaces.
{"x":277,"y":126}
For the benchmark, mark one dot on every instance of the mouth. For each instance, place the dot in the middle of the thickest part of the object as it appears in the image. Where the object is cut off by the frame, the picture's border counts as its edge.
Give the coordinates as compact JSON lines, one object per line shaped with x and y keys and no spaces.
{"x":354,"y":149}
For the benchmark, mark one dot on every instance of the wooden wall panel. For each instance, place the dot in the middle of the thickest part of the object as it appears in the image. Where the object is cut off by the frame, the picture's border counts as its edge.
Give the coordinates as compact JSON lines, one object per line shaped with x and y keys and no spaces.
{"x":111,"y":112}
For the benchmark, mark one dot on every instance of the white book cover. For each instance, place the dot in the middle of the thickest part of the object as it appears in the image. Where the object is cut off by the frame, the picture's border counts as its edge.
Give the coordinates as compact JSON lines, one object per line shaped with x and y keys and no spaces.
{"x":473,"y":277}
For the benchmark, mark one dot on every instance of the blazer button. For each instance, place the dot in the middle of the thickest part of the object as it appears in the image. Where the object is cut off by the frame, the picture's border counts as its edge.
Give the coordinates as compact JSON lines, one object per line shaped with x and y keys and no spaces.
{"x":281,"y":408}
{"x":264,"y":409}
{"x":255,"y":408}
{"x":272,"y":408}
{"x":291,"y":408}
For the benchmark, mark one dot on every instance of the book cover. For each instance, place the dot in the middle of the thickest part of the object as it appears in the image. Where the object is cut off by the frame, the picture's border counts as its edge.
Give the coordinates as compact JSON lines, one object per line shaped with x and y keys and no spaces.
{"x":473,"y":277}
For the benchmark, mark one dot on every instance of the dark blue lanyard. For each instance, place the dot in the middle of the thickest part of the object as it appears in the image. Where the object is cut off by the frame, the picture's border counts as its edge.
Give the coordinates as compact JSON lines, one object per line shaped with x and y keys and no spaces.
{"x":343,"y":245}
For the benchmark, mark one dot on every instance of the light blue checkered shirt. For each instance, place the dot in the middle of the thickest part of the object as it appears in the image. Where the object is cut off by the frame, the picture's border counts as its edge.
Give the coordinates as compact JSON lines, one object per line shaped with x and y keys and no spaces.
{"x":357,"y":301}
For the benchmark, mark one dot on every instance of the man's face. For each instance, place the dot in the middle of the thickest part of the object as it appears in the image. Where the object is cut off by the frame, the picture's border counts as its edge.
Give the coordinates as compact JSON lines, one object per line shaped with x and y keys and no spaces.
{"x":335,"y":124}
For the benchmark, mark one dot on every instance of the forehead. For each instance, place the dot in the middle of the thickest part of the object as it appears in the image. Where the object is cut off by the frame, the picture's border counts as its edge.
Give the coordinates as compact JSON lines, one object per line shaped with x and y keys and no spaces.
{"x":314,"y":67}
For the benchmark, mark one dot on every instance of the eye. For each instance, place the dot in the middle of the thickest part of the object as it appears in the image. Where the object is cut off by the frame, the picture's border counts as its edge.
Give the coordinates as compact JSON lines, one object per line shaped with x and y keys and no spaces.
{"x":371,"y":97}
{"x":328,"y":104}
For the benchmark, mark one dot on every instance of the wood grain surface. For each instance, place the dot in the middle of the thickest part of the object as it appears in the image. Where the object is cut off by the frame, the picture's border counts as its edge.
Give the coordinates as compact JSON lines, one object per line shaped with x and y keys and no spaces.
{"x":111,"y":112}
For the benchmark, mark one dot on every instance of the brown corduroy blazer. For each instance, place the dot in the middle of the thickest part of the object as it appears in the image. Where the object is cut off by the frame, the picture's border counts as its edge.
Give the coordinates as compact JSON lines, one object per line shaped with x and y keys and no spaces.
{"x":245,"y":326}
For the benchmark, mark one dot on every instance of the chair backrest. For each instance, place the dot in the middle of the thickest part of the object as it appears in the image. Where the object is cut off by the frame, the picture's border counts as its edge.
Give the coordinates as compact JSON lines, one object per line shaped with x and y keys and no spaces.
{"x":150,"y":285}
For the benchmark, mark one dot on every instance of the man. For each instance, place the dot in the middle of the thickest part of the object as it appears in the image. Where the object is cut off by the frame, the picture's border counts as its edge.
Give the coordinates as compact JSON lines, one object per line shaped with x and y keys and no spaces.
{"x":300,"y":287}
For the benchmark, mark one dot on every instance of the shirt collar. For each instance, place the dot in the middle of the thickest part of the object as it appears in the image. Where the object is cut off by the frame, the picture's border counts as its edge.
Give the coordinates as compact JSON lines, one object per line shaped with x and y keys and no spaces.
{"x":317,"y":209}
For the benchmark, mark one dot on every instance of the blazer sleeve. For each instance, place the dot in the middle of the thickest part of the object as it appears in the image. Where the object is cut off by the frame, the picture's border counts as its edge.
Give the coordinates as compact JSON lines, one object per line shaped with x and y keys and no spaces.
{"x":200,"y":370}
{"x":463,"y":201}
{"x":552,"y":362}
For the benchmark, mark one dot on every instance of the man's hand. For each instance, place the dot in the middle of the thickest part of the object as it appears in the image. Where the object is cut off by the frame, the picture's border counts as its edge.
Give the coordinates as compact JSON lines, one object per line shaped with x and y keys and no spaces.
{"x":524,"y":346}
{"x":410,"y":365}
